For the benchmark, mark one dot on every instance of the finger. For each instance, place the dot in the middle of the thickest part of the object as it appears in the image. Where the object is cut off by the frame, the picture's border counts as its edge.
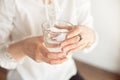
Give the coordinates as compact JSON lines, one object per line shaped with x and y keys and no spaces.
{"x":70,"y":41}
{"x":53,"y":61}
{"x":56,"y":55}
{"x":89,"y":44}
{"x":58,"y":61}
{"x":76,"y":49}
{"x":69,"y":47}
{"x":50,"y":45}
{"x":64,"y":27}
{"x":48,"y":54}
{"x":76,"y":31}
{"x":37,"y":57}
{"x":72,"y":46}
{"x":43,"y":49}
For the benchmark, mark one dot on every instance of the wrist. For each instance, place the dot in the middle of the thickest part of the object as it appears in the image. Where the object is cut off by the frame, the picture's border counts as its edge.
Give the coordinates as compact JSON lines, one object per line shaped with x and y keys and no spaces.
{"x":15,"y":51}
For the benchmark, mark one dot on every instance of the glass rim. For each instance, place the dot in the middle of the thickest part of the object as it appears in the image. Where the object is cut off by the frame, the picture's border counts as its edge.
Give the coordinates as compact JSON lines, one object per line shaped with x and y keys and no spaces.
{"x":47,"y":22}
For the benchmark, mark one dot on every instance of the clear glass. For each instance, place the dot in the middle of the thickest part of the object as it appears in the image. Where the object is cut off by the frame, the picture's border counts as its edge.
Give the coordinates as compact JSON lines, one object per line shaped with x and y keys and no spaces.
{"x":54,"y":33}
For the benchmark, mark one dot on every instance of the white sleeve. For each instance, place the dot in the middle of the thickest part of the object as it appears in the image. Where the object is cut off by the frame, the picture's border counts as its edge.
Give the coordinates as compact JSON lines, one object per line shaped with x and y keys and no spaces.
{"x":84,"y":13}
{"x":85,"y":18}
{"x":7,"y":12}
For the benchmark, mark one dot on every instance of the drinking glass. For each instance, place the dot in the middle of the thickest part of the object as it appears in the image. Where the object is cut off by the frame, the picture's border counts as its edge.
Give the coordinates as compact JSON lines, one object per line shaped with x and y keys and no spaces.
{"x":54,"y":33}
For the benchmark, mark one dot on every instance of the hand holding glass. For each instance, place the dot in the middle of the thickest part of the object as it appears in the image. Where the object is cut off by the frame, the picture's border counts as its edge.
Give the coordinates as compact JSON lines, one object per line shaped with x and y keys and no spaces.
{"x":54,"y":33}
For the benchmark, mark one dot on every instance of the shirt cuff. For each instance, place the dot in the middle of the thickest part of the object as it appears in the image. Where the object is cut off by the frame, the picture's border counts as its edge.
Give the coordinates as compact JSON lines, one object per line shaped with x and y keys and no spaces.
{"x":6,"y":59}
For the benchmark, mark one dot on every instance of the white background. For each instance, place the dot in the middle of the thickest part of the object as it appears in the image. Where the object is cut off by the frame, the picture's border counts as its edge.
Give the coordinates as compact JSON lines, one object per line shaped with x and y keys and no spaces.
{"x":106,"y":55}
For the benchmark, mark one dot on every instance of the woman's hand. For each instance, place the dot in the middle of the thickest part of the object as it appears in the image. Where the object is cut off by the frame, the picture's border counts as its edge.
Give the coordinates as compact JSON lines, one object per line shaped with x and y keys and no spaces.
{"x":34,"y":48}
{"x":79,"y":38}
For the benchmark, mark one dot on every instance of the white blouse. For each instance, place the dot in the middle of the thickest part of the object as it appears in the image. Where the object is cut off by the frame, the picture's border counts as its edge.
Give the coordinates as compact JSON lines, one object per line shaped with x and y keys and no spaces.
{"x":20,"y":19}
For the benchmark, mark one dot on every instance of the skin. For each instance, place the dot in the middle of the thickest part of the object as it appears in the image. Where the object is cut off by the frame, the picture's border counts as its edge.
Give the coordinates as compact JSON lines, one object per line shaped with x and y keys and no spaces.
{"x":35,"y":49}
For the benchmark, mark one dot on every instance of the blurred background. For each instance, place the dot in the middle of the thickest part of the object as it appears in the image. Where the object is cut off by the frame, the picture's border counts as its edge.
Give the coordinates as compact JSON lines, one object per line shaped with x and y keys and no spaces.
{"x":103,"y":63}
{"x":106,"y":55}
